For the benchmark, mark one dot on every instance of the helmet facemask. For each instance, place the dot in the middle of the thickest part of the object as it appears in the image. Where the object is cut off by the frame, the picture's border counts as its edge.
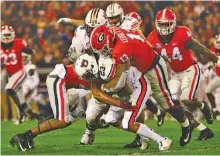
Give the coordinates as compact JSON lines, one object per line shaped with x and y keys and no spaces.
{"x":165,"y":27}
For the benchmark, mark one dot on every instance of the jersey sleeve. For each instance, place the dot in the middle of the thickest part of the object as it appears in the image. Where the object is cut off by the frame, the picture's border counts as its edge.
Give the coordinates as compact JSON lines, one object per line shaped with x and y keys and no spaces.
{"x":185,"y":34}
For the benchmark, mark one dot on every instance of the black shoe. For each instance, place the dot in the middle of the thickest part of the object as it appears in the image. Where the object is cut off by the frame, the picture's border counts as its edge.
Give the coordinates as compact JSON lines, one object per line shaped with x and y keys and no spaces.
{"x":186,"y":134}
{"x":21,"y":142}
{"x":205,"y":134}
{"x":134,"y":144}
{"x":160,"y":118}
{"x":207,"y":113}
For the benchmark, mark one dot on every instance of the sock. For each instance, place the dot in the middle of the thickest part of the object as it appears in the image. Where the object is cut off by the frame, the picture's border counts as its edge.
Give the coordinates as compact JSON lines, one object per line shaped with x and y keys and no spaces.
{"x":185,"y":123}
{"x":158,"y":112}
{"x":202,"y":106}
{"x":201,"y":127}
{"x":148,"y":133}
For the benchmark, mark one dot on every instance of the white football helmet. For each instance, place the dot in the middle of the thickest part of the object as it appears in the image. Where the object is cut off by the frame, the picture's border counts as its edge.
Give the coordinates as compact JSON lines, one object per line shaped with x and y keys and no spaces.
{"x":75,"y":50}
{"x":217,"y":41}
{"x":115,"y":14}
{"x":86,"y":67}
{"x":7,"y":34}
{"x":94,"y":18}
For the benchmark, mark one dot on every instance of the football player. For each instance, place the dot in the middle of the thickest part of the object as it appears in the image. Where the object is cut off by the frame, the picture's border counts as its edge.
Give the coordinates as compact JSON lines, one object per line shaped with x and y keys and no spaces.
{"x":86,"y":67}
{"x":215,"y":82}
{"x":58,"y":81}
{"x":175,"y":43}
{"x":11,"y":59}
{"x":132,"y":22}
{"x":129,"y":48}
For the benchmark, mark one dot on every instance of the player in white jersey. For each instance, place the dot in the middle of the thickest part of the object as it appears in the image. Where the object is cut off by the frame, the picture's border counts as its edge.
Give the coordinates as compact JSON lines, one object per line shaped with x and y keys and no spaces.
{"x":140,"y":87}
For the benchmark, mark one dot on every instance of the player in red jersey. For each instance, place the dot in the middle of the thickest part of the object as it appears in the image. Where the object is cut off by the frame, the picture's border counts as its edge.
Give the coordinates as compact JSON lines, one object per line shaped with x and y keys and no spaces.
{"x":130,"y":49}
{"x":175,"y":43}
{"x":58,"y":81}
{"x":11,"y":59}
{"x":215,"y":82}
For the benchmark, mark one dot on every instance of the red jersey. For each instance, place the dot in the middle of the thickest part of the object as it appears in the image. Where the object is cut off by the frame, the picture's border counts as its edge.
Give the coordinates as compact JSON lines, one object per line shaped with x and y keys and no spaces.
{"x":131,"y":46}
{"x":71,"y":78}
{"x":217,"y":53}
{"x":179,"y":57}
{"x":12,"y":58}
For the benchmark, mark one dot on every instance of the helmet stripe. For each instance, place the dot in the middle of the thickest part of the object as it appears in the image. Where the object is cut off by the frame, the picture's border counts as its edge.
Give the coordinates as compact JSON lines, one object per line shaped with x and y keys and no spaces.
{"x":163,"y":14}
{"x":97,"y":16}
{"x":91,"y":16}
{"x":94,"y":16}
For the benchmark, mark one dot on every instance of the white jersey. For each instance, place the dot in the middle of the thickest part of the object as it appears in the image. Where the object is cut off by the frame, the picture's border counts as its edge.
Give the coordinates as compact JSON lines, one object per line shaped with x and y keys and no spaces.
{"x":81,"y":34}
{"x":129,"y":23}
{"x":107,"y":69}
{"x":32,"y":81}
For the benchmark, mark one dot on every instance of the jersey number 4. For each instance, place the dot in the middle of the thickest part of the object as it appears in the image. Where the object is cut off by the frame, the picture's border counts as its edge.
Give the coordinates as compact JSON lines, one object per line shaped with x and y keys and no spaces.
{"x":176,"y":55}
{"x":10,"y":59}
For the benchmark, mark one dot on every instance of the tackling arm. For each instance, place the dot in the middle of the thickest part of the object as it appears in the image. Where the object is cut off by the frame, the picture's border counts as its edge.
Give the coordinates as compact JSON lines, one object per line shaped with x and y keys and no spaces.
{"x":119,"y":80}
{"x":73,"y":22}
{"x":199,"y":48}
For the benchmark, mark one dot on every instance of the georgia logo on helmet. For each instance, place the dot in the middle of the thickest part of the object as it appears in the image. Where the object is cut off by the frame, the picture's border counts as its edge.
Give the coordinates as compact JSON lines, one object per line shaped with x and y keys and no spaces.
{"x":114,"y":10}
{"x":7,"y":34}
{"x":86,"y":67}
{"x":165,"y":22}
{"x":102,"y":40}
{"x":217,"y":41}
{"x":94,"y":18}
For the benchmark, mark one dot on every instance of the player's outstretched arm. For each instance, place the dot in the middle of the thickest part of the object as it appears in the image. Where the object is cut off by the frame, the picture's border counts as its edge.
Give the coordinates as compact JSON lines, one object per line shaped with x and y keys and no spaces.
{"x":199,"y":48}
{"x":73,"y":22}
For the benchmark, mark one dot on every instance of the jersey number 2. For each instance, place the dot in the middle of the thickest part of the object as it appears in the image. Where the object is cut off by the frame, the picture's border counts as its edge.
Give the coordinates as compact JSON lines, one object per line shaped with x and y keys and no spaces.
{"x":10,"y":59}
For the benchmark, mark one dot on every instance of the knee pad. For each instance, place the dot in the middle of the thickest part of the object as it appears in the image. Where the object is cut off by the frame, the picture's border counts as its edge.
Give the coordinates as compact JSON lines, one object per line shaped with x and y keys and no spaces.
{"x":10,"y":92}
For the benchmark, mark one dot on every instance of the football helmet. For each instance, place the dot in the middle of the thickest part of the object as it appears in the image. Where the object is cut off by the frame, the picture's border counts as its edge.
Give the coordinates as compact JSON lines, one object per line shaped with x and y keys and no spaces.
{"x":95,"y":17}
{"x":115,"y":14}
{"x":165,"y":22}
{"x":102,"y":40}
{"x":26,"y":58}
{"x":136,"y":16}
{"x":7,"y":34}
{"x":217,"y":41}
{"x":86,"y":67}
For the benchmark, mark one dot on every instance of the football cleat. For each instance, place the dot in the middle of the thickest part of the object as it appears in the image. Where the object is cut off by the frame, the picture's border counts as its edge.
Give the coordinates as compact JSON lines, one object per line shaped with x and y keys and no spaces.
{"x":145,"y":143}
{"x":205,"y":134}
{"x":160,"y":118}
{"x":21,"y":142}
{"x":136,"y":143}
{"x":165,"y":144}
{"x":186,"y":134}
{"x":87,"y":138}
{"x":207,"y":113}
{"x":21,"y":117}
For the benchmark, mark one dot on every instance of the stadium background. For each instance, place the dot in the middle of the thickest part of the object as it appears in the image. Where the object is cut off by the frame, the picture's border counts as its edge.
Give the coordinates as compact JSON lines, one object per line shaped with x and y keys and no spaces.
{"x":36,"y":22}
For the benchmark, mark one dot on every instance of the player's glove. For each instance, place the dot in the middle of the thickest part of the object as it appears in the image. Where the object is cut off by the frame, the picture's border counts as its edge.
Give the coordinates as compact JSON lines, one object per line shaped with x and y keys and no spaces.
{"x":64,"y":21}
{"x":127,"y":105}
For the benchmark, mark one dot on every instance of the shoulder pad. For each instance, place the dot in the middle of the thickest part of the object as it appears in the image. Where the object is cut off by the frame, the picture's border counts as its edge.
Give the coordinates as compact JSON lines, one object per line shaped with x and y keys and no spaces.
{"x":130,"y":23}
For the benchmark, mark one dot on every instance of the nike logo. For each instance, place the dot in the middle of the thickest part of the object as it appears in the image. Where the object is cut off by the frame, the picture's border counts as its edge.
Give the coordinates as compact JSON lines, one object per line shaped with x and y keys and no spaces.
{"x":188,"y":70}
{"x":187,"y":138}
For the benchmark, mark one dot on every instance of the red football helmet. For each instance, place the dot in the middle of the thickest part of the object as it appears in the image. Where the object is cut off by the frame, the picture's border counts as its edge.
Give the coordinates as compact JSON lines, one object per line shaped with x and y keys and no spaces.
{"x":7,"y":34}
{"x":136,"y":16}
{"x":102,"y":40}
{"x":217,"y":41}
{"x":165,"y":22}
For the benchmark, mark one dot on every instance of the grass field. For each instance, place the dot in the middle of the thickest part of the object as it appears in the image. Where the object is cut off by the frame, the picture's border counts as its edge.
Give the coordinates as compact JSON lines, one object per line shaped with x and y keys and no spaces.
{"x":107,"y":141}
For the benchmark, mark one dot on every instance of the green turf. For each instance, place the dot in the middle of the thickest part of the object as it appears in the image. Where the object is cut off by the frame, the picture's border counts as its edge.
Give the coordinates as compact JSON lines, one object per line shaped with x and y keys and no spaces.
{"x":107,"y":142}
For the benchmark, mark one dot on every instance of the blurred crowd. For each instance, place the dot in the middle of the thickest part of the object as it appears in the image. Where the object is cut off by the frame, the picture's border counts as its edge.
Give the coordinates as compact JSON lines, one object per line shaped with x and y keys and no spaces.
{"x":36,"y":22}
